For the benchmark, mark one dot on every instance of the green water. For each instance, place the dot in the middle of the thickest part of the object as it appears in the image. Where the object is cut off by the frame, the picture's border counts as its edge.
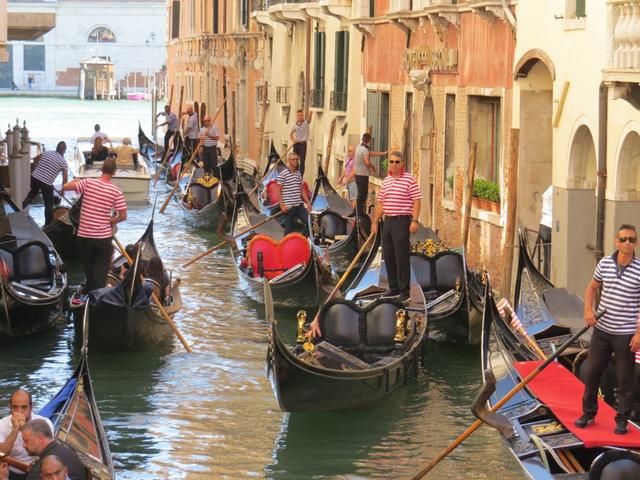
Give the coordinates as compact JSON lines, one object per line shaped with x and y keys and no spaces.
{"x":212,"y":414}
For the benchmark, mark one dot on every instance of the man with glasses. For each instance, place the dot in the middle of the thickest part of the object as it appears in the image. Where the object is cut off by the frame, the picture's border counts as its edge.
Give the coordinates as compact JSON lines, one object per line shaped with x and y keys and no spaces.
{"x":617,"y":331}
{"x":209,"y":135}
{"x":399,"y":202}
{"x":293,"y":197}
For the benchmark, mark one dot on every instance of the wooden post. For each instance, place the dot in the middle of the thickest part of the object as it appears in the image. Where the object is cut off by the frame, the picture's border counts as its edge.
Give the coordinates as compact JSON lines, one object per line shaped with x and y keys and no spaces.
{"x":263,"y":117}
{"x":180,"y":109}
{"x":224,"y":95}
{"x":327,"y":157}
{"x":171,"y":98}
{"x":233,"y":119}
{"x":466,"y":219}
{"x":512,"y":206}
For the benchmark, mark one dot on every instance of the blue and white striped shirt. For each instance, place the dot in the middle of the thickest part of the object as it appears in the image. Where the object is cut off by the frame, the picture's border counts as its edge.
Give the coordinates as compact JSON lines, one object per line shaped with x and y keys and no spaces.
{"x":620,"y":295}
{"x":51,"y":163}
{"x":291,"y":187}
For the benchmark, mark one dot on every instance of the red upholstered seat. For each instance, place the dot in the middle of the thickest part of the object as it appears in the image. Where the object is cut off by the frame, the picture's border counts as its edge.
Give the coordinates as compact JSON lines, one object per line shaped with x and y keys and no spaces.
{"x":305,"y":187}
{"x":278,"y":257}
{"x":273,"y":192}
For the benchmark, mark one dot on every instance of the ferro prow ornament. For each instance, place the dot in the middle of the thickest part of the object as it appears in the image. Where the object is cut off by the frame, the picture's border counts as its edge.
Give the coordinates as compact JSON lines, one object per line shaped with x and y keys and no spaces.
{"x":401,"y":321}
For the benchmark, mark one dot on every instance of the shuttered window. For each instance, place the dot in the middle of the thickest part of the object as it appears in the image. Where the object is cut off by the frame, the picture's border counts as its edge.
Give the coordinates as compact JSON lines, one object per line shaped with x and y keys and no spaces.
{"x":175,"y":19}
{"x":341,"y":75}
{"x":317,"y":94}
{"x":378,"y":123}
{"x":215,"y":16}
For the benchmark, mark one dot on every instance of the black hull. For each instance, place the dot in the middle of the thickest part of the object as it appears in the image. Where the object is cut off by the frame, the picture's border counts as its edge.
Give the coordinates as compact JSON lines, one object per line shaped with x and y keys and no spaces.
{"x":208,"y":217}
{"x":28,"y":318}
{"x":62,"y":234}
{"x":150,"y":150}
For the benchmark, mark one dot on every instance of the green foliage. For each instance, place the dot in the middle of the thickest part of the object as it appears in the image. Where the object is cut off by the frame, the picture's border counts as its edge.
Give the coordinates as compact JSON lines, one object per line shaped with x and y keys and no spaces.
{"x":450,"y":181}
{"x":486,"y":190}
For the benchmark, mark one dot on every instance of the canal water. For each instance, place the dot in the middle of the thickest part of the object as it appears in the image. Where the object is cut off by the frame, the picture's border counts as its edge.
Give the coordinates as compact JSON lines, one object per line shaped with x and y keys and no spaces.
{"x":212,"y":414}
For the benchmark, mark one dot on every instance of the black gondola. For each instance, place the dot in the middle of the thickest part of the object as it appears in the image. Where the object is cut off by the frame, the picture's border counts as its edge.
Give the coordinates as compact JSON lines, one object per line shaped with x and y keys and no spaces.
{"x":204,"y":198}
{"x":289,"y":262}
{"x":76,"y":420}
{"x":370,"y":347}
{"x":33,"y":282}
{"x":149,"y":149}
{"x":337,"y":233}
{"x":63,"y":230}
{"x":539,"y":433}
{"x":123,"y":316}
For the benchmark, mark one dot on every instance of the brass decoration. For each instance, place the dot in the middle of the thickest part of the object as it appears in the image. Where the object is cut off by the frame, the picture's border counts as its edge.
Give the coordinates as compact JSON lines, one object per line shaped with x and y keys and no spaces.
{"x":401,"y":316}
{"x":547,"y":428}
{"x":458,"y":284}
{"x":429,"y":247}
{"x":308,"y":345}
{"x":484,"y":274}
{"x":207,"y":180}
{"x":302,"y":319}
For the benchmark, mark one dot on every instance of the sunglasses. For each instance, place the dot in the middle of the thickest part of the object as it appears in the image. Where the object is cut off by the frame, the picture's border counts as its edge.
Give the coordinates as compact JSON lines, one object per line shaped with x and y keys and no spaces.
{"x":627,"y":239}
{"x":395,"y":161}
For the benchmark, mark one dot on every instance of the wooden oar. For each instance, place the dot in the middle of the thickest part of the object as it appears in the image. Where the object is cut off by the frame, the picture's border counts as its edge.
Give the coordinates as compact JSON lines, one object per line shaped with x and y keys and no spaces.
{"x":270,"y":169}
{"x":14,"y":463}
{"x":518,"y":327}
{"x":503,"y":400}
{"x":156,"y":300}
{"x":237,"y":235}
{"x":193,"y":156}
{"x":344,"y":276}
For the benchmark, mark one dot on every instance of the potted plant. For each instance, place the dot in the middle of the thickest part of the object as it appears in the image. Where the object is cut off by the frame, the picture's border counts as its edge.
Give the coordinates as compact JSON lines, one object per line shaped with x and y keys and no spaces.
{"x":487,"y":194}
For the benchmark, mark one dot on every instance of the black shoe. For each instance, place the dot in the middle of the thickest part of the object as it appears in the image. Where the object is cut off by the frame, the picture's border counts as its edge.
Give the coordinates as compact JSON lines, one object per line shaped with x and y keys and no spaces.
{"x":584,"y":421}
{"x":621,"y":427}
{"x":404,"y":297}
{"x":390,"y":294}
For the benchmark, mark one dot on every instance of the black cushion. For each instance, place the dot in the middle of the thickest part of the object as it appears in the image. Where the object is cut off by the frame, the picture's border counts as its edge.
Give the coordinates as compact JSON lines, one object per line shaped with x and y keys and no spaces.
{"x":422,"y":271}
{"x":449,"y":268}
{"x":332,"y":224}
{"x":340,"y":324}
{"x":381,"y":324}
{"x":32,"y":261}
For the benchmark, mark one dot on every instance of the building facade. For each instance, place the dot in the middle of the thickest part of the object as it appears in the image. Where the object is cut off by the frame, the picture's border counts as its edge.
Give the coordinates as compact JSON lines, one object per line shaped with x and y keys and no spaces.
{"x":129,"y":33}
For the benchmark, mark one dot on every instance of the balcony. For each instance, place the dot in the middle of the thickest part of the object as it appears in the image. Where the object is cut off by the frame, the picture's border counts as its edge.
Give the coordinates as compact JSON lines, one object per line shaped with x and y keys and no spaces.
{"x":287,"y":12}
{"x":316,"y":98}
{"x":338,"y":101}
{"x":282,"y":94}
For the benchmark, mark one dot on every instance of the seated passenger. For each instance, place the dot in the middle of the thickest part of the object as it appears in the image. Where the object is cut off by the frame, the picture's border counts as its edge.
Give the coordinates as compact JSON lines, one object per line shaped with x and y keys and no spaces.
{"x":11,"y":444}
{"x":156,"y":279}
{"x":125,"y":154}
{"x":53,"y":468}
{"x":98,"y":153}
{"x":132,"y":251}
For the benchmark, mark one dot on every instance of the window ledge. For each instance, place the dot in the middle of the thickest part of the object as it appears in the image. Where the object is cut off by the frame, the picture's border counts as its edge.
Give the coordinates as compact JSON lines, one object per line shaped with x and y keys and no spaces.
{"x":482,"y":215}
{"x":578,"y":23}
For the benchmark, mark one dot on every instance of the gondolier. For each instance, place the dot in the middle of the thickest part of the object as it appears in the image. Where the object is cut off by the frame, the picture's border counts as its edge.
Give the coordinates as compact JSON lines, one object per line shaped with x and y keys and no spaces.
{"x":293,"y":197}
{"x":300,"y":136}
{"x":99,"y":197}
{"x":171,"y":121}
{"x":617,"y":331}
{"x":209,"y":135}
{"x":191,"y":129}
{"x":362,"y":168}
{"x":399,"y":202}
{"x":49,"y":165}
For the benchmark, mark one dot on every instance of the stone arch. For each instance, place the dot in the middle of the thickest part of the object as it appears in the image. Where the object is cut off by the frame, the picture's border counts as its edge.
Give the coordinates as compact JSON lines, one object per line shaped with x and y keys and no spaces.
{"x":101,"y":34}
{"x":627,"y":166}
{"x":582,"y":158}
{"x":529,"y":60}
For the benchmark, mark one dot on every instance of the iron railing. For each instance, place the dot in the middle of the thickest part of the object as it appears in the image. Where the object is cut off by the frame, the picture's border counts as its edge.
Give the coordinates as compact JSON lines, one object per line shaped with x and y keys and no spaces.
{"x":282,"y":94}
{"x":316,"y":98}
{"x":338,"y":101}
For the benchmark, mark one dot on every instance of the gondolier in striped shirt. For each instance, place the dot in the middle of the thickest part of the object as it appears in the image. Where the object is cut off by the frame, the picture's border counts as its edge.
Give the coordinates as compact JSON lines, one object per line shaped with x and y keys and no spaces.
{"x":171,"y":121}
{"x":191,"y":129}
{"x":209,"y":134}
{"x":362,"y":168}
{"x":617,"y":331}
{"x":99,"y":198}
{"x":399,"y":202}
{"x":293,"y":197}
{"x":300,"y":136}
{"x":49,"y":165}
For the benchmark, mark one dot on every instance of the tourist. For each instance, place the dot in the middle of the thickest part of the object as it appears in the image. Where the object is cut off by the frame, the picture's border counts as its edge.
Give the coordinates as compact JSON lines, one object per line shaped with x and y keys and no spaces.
{"x":95,"y":233}
{"x":11,"y":444}
{"x":617,"y":332}
{"x":98,"y":153}
{"x":172,"y":123}
{"x":126,"y":155}
{"x":209,"y":135}
{"x":299,"y":135}
{"x":362,"y":168}
{"x":100,"y":134}
{"x":48,"y":166}
{"x":53,"y":468}
{"x":156,"y":280}
{"x":348,"y":178}
{"x":293,"y":197}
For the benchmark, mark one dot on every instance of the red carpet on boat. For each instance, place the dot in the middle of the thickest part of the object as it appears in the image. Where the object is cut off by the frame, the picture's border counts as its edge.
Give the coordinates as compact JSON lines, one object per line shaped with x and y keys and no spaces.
{"x":562,"y":392}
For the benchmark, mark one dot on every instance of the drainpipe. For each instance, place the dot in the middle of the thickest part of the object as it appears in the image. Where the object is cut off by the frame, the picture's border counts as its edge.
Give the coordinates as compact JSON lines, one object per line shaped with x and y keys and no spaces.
{"x":601,"y":185}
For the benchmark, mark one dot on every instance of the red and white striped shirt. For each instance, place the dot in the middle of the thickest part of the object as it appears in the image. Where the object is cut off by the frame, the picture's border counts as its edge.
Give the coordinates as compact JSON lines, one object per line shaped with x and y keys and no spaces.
{"x":398,"y":194}
{"x":99,"y":198}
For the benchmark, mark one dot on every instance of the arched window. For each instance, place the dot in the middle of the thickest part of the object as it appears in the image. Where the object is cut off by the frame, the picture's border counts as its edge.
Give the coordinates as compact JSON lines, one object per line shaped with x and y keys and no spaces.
{"x":101,"y":35}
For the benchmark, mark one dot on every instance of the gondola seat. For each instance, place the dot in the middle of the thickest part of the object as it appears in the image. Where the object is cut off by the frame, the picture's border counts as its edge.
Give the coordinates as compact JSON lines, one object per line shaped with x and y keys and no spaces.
{"x":332,"y":225}
{"x":438,"y":274}
{"x":278,"y":256}
{"x":202,"y":196}
{"x":359,"y":331}
{"x":28,"y":262}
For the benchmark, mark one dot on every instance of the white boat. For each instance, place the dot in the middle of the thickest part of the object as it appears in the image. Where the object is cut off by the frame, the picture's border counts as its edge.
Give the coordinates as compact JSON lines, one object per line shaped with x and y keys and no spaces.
{"x":134,"y":182}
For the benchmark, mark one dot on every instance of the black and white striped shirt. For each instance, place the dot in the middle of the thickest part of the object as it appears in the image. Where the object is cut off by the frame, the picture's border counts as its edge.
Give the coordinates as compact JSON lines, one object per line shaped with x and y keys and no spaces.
{"x":291,"y":187}
{"x":620,"y":295}
{"x":301,"y":131}
{"x":50,"y":165}
{"x":213,"y":132}
{"x":360,"y":168}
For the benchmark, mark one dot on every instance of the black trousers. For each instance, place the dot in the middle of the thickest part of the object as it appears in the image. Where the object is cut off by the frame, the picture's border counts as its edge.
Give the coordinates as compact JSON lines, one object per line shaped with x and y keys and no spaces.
{"x":301,"y":150}
{"x":290,"y":217}
{"x":210,"y":160}
{"x":95,"y":254}
{"x":191,"y":144}
{"x":545,"y":237}
{"x":602,"y":345}
{"x":362,"y":182}
{"x":167,"y":138}
{"x":38,"y":186}
{"x":395,"y":252}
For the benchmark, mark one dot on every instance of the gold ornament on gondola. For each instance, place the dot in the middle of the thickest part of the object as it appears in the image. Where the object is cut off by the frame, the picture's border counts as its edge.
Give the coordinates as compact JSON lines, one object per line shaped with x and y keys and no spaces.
{"x":207,"y":180}
{"x":429,"y":247}
{"x":401,"y":317}
{"x":547,"y":428}
{"x":302,"y":319}
{"x":458,"y":284}
{"x":484,"y":274}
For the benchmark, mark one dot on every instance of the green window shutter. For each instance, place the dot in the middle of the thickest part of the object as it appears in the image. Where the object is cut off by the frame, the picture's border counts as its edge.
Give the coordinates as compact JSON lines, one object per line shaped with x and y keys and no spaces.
{"x":581,"y":8}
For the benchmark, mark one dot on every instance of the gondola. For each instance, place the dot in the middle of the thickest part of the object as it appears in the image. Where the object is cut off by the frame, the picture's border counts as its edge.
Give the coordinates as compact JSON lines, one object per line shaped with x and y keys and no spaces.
{"x":76,"y":421}
{"x":537,"y":422}
{"x":33,"y":281}
{"x":370,"y":347}
{"x":150,"y":150}
{"x":63,"y":230}
{"x":337,"y":232}
{"x":122,"y":316}
{"x":204,"y":198}
{"x":288,"y":262}
{"x":268,"y":192}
